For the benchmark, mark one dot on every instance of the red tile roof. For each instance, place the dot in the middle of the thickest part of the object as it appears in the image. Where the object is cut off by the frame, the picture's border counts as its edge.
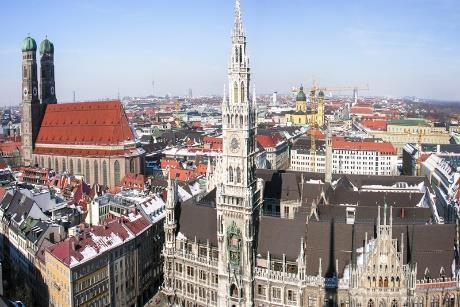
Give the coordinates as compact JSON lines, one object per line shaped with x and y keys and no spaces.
{"x":99,"y":238}
{"x":375,"y":124}
{"x":10,"y":147}
{"x":86,"y":123}
{"x":134,"y":181}
{"x":382,"y":147}
{"x":362,"y":110}
{"x":267,"y":141}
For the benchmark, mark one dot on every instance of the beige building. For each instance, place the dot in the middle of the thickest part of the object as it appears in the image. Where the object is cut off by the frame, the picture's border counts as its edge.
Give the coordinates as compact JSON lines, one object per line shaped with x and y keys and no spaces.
{"x":400,"y":132}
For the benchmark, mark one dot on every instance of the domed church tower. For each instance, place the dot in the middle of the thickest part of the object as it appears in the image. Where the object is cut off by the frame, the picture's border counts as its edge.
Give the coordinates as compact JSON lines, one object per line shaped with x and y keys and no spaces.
{"x":47,"y":86}
{"x":31,"y":111}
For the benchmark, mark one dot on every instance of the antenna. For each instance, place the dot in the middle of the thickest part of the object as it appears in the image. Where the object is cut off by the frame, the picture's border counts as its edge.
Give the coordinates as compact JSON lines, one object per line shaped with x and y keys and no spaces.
{"x":153,"y":88}
{"x":73,"y":96}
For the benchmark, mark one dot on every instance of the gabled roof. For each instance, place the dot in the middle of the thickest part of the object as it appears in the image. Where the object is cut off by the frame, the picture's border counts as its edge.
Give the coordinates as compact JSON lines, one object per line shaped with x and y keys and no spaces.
{"x":85,"y":123}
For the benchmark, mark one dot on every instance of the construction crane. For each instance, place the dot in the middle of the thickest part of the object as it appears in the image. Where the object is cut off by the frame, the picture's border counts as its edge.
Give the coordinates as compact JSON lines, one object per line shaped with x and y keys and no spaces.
{"x":315,"y":89}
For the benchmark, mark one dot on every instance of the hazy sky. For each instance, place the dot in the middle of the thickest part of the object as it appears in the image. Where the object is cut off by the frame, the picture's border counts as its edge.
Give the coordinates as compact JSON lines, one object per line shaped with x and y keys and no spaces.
{"x":398,"y":47}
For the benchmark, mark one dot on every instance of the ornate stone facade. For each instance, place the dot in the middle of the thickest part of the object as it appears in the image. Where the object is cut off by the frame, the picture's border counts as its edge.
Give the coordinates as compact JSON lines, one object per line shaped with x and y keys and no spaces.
{"x":224,"y":251}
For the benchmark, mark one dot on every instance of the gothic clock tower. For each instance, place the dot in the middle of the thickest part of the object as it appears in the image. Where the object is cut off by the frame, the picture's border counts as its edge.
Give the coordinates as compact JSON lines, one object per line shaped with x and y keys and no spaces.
{"x":238,"y":194}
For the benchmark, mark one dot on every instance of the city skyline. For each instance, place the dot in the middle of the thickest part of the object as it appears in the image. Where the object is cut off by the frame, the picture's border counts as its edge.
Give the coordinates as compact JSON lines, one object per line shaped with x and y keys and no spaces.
{"x":402,"y":49}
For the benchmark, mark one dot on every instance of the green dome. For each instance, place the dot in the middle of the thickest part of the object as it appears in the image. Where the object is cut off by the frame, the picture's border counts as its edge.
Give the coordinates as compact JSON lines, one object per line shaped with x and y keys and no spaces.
{"x":46,"y":47}
{"x":29,"y":44}
{"x":301,"y":95}
{"x":321,"y":94}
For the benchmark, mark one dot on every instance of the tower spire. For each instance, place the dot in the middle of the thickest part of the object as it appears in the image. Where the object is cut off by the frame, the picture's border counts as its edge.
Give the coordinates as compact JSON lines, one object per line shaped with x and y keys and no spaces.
{"x":238,"y":27}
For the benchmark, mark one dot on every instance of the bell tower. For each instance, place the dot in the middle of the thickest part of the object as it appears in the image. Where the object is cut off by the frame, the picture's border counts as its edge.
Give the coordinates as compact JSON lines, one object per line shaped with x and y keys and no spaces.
{"x":238,"y":193}
{"x":30,"y":102}
{"x":47,"y":85}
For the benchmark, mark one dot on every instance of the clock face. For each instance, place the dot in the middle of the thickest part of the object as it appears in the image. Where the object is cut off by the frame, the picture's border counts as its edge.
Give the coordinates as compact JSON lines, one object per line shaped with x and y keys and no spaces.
{"x":26,"y":92}
{"x":52,"y":90}
{"x":235,"y":144}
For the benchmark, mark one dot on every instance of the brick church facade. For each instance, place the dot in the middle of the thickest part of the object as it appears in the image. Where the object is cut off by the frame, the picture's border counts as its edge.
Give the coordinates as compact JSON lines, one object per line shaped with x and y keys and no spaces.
{"x":92,"y":139}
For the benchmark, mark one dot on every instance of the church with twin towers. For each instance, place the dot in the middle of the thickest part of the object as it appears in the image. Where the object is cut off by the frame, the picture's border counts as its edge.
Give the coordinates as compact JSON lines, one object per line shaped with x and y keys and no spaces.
{"x":92,"y":138}
{"x":337,"y":240}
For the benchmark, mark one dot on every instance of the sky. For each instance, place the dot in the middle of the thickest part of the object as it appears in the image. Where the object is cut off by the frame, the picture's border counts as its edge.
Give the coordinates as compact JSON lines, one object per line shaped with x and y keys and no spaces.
{"x":397,"y":47}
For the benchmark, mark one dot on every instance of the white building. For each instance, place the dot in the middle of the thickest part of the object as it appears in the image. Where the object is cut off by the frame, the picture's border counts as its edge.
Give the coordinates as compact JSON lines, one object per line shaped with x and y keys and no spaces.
{"x":348,"y":157}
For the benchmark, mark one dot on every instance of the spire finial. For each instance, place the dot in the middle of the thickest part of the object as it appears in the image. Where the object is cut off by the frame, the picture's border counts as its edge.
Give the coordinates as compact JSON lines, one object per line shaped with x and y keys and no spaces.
{"x":238,"y":29}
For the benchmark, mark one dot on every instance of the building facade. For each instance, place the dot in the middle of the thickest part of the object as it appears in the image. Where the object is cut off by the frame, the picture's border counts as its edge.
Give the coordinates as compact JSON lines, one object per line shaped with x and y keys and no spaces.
{"x":400,"y":132}
{"x":348,"y":157}
{"x":222,"y":251}
{"x":308,"y":112}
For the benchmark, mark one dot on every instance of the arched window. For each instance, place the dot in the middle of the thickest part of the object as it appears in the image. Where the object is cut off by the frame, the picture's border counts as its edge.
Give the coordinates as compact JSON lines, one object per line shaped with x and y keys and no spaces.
{"x":116,"y":172}
{"x":233,"y":290}
{"x":394,"y":303}
{"x":79,"y":166}
{"x":56,"y":165}
{"x":49,"y":163}
{"x":385,"y":282}
{"x":87,"y":171}
{"x":230,"y":174}
{"x":63,"y":165}
{"x":104,"y":173}
{"x":370,"y":303}
{"x":235,"y":93}
{"x":238,"y":175}
{"x":71,"y":166}
{"x":96,"y":172}
{"x":42,"y":162}
{"x":241,"y":121}
{"x":380,"y":282}
{"x":243,"y":92}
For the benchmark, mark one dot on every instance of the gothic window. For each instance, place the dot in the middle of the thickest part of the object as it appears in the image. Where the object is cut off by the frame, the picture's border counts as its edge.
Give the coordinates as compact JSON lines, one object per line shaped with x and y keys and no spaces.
{"x":370,"y":303}
{"x":71,"y":166}
{"x":234,"y":291}
{"x":96,"y":172}
{"x":380,"y":282}
{"x":238,"y":175}
{"x":25,"y":73}
{"x":236,"y":54}
{"x":236,"y":121}
{"x":79,"y":166}
{"x":63,"y":165}
{"x":385,"y":282}
{"x":104,"y":173}
{"x":132,"y":166}
{"x":242,"y":92}
{"x":87,"y":171}
{"x":434,"y":301}
{"x":235,"y":93}
{"x":241,"y":121}
{"x":230,"y":174}
{"x":116,"y":172}
{"x":228,"y":120}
